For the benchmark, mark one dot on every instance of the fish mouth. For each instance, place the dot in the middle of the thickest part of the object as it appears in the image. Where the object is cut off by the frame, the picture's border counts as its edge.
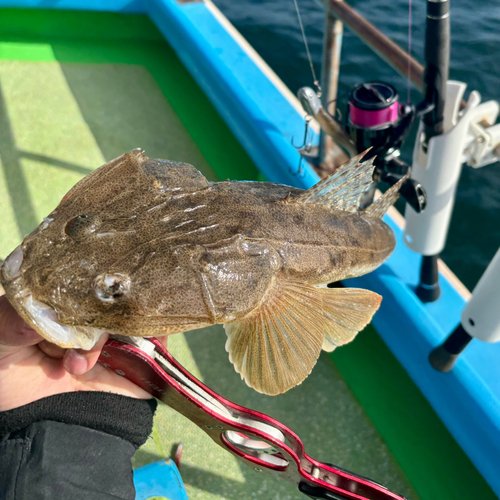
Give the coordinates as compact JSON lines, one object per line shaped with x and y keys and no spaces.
{"x":42,"y":317}
{"x":45,"y":321}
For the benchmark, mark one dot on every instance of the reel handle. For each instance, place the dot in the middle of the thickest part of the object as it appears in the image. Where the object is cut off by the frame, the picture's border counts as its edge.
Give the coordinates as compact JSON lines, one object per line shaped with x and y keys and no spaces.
{"x":412,"y":191}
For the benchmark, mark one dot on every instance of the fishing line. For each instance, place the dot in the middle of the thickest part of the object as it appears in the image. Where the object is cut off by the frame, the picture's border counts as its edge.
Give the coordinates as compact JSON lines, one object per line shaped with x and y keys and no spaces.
{"x":316,"y":82}
{"x":409,"y":47}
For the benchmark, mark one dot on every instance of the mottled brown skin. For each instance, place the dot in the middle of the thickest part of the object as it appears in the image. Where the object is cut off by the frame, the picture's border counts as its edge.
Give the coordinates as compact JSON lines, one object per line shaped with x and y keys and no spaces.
{"x":184,"y":252}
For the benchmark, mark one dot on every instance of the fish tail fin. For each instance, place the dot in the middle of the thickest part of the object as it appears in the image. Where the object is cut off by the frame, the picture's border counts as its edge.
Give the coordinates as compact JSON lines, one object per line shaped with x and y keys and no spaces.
{"x":276,"y":347}
{"x":342,"y":189}
{"x":380,"y":206}
{"x":349,"y":311}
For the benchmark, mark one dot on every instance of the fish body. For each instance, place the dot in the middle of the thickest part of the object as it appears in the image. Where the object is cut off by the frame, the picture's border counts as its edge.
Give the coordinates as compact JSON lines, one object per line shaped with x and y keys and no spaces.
{"x":149,"y":247}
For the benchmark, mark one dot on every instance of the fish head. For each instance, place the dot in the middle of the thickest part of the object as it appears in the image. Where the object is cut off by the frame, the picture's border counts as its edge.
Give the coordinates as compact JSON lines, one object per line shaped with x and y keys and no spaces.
{"x":71,"y":277}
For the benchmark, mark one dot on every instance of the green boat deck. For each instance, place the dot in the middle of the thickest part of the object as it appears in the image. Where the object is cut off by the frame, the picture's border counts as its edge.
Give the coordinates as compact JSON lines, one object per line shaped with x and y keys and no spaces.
{"x":78,"y":89}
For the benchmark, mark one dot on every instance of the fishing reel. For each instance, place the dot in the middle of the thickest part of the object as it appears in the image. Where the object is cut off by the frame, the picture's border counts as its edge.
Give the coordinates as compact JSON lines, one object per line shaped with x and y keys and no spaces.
{"x":376,"y":120}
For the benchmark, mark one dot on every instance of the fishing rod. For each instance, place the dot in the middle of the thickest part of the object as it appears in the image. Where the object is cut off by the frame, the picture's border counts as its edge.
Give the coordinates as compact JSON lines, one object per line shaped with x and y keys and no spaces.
{"x":451,"y":133}
{"x":437,"y":62}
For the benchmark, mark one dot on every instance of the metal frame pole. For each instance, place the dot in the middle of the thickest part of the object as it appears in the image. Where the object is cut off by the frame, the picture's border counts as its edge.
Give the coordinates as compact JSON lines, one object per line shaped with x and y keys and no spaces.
{"x":330,"y":154}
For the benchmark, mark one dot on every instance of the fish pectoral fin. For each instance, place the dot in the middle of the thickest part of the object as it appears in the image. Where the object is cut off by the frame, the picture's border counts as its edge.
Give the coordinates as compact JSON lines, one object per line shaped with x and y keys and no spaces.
{"x":275,"y":347}
{"x":348,"y":311}
{"x":342,"y":189}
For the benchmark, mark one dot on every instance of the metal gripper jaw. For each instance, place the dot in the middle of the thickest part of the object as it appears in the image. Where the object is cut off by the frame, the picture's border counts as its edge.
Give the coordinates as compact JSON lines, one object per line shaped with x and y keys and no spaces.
{"x":259,"y":441}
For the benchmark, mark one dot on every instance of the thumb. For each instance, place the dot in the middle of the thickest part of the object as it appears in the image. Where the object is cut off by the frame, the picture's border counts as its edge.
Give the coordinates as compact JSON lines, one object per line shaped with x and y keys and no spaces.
{"x":15,"y":333}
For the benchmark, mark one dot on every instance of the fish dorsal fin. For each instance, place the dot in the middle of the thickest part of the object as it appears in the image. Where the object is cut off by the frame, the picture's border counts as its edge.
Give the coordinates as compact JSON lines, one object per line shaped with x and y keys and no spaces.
{"x":380,"y":206}
{"x":275,"y":347}
{"x":343,"y":188}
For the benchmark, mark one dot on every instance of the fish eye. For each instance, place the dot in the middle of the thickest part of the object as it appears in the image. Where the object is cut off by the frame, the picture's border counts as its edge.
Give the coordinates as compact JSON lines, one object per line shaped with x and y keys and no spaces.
{"x":81,"y":226}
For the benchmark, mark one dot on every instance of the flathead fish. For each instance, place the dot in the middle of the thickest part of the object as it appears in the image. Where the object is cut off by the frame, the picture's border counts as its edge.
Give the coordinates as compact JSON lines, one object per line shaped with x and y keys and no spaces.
{"x":145,"y":247}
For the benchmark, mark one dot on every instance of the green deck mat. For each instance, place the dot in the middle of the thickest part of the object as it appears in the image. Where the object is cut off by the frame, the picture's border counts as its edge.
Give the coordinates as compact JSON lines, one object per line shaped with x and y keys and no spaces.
{"x":78,"y":89}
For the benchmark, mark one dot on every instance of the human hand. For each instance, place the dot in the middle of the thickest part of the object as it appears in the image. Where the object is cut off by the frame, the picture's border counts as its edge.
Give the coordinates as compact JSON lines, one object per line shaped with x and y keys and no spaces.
{"x":32,"y":368}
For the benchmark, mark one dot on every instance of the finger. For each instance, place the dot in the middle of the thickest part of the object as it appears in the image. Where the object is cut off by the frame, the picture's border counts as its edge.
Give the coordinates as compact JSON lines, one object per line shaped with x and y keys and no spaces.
{"x":14,"y":331}
{"x":163,"y":340}
{"x":52,"y":350}
{"x":79,"y":361}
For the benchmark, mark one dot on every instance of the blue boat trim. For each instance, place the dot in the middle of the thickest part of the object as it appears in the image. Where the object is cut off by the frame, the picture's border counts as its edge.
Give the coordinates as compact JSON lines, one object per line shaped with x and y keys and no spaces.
{"x":159,"y":479}
{"x":468,"y":398}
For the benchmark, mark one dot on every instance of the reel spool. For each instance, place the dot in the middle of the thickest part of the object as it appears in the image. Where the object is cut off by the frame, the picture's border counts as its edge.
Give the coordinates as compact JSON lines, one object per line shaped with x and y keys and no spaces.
{"x":375,"y":116}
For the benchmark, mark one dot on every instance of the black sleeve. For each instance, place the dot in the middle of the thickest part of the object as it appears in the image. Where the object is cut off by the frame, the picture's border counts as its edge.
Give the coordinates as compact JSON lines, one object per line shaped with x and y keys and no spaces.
{"x":72,"y":446}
